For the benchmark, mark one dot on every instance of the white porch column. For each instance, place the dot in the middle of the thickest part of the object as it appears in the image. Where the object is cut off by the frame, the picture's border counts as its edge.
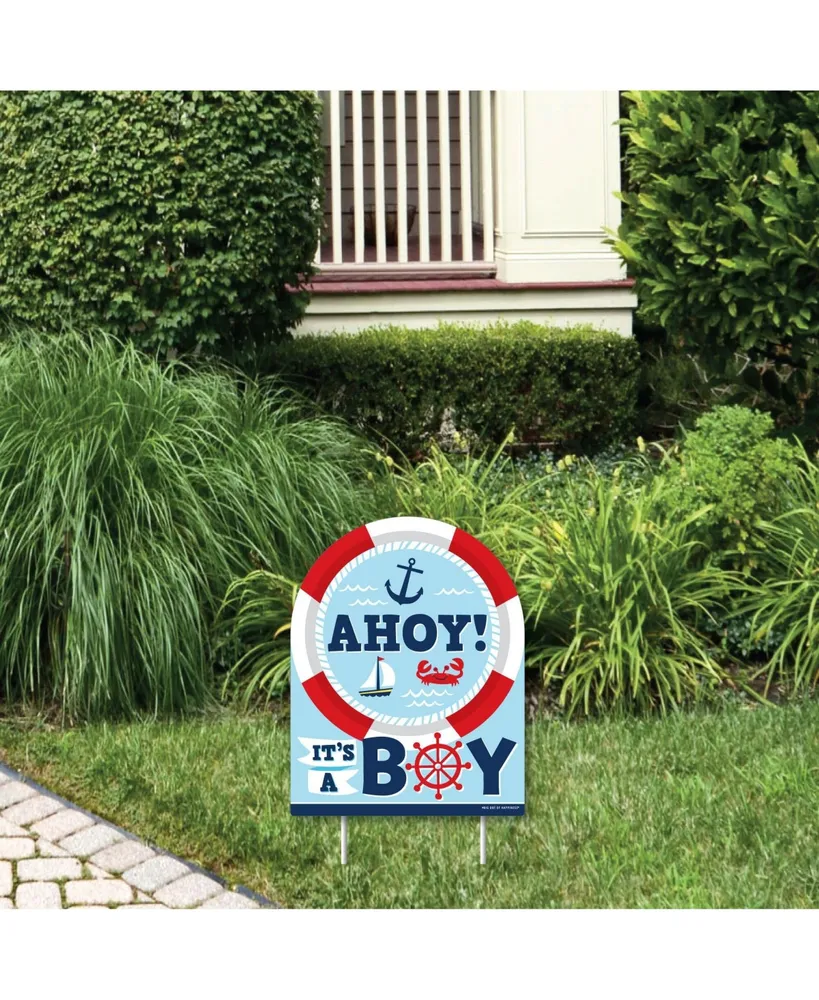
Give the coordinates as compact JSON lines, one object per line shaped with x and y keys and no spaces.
{"x":557,"y":163}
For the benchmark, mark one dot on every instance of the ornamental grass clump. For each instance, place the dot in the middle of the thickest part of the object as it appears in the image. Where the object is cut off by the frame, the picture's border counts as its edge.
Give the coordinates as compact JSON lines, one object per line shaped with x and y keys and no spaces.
{"x":256,"y":620}
{"x":618,"y":598}
{"x":784,"y":603}
{"x":479,"y":492}
{"x":131,"y":494}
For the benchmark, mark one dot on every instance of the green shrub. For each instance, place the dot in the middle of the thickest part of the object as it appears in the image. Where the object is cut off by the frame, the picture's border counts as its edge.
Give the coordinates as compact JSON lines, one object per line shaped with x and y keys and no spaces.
{"x":572,"y":387}
{"x":131,"y":495}
{"x":721,"y":225}
{"x":617,"y":598}
{"x":173,"y":218}
{"x":731,"y":463}
{"x":784,"y":604}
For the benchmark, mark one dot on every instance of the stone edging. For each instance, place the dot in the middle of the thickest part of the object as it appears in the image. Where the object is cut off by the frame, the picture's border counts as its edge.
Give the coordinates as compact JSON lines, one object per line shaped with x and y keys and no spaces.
{"x":262,"y":901}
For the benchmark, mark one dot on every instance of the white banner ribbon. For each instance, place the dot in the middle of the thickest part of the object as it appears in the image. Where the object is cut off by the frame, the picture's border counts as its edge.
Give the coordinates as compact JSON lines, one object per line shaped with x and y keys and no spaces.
{"x":329,"y":783}
{"x":328,"y":753}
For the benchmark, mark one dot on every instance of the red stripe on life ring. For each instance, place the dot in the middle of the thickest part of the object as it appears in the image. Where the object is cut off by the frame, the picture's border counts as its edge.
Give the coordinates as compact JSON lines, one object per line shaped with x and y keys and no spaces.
{"x":485,"y":702}
{"x":486,"y":564}
{"x":335,"y":558}
{"x":335,"y":709}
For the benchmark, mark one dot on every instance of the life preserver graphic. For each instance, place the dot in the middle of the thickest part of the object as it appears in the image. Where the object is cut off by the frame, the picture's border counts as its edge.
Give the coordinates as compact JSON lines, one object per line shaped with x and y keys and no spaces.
{"x":339,"y":705}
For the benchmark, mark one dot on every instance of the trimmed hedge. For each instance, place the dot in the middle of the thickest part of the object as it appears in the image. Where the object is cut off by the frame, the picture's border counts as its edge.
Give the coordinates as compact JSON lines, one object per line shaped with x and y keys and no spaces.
{"x":573,"y":388}
{"x":174,"y":218}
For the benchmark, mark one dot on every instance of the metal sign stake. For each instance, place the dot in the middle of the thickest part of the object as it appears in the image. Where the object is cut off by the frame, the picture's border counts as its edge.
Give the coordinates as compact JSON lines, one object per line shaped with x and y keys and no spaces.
{"x":344,"y":840}
{"x":483,"y":840}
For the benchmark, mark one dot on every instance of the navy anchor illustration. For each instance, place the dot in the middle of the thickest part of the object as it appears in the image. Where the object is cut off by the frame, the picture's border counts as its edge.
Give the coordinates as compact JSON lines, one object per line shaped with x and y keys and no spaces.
{"x":402,"y":598}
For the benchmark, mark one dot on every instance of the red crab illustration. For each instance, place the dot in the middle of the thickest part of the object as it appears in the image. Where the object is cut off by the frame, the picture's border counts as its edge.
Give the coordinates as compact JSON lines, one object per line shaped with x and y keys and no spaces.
{"x":450,"y":674}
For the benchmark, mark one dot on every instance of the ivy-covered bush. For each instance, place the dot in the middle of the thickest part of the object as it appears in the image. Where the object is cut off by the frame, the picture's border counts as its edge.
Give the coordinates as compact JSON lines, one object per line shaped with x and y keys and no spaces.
{"x":574,"y":388}
{"x":732,"y":464}
{"x":173,"y":218}
{"x":721,"y":225}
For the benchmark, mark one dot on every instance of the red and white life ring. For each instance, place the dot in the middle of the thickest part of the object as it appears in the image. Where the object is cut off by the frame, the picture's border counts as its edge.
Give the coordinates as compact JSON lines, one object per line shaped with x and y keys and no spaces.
{"x":311,"y":666}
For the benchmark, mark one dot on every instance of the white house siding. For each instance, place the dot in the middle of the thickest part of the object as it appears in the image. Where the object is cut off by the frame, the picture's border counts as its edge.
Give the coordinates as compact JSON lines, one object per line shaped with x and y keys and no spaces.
{"x":606,"y":308}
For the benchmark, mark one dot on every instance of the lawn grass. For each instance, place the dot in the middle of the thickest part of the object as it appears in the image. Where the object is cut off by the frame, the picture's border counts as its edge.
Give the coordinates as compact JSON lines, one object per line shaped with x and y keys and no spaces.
{"x":713,"y":809}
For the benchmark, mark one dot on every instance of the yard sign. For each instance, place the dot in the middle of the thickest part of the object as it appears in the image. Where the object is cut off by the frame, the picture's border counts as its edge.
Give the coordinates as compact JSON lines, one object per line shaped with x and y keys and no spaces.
{"x":407,"y":679}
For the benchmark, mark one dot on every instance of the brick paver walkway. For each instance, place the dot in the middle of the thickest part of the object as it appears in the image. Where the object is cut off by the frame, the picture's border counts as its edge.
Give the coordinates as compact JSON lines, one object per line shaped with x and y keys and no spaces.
{"x":54,"y":855}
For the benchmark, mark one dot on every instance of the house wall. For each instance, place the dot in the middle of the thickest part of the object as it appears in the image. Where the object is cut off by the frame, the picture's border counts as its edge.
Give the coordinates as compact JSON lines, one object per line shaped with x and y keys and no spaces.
{"x":557,"y":168}
{"x":607,"y":307}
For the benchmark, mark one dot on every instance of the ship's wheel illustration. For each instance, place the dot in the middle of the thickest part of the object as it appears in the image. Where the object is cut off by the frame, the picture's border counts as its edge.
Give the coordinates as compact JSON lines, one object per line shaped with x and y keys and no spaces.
{"x":438,"y":766}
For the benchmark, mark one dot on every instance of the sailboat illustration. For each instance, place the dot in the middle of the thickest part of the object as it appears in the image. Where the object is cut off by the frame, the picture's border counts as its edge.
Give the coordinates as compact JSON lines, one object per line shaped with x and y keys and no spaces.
{"x":381,"y":680}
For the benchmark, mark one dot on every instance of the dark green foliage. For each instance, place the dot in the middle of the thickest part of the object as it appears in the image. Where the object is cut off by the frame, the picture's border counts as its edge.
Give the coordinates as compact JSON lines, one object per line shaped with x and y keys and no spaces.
{"x":721,"y":225}
{"x":742,"y":641}
{"x":676,"y":386}
{"x":173,"y":218}
{"x":677,"y":383}
{"x":131,"y":495}
{"x":574,"y":388}
{"x":479,"y":493}
{"x":733,"y":464}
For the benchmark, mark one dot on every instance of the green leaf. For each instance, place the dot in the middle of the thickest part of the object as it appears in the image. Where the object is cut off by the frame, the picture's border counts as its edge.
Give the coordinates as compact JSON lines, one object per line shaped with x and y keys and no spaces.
{"x":811,"y":151}
{"x":626,"y":251}
{"x":790,"y":164}
{"x":744,"y":212}
{"x":170,"y":218}
{"x":648,"y":201}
